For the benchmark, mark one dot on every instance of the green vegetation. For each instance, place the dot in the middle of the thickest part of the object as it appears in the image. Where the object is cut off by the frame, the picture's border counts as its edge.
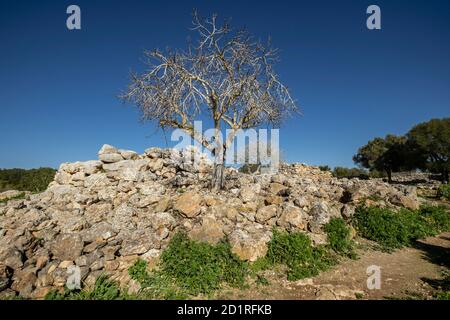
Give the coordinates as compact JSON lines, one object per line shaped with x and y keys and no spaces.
{"x":339,"y":237}
{"x":302,"y":259}
{"x":189,"y":267}
{"x":296,"y":252}
{"x":389,"y":154}
{"x":262,"y":281}
{"x":104,"y":289}
{"x":34,"y":180}
{"x":394,"y":230}
{"x":200,"y":267}
{"x":156,"y":284}
{"x":444,"y":287}
{"x":19,"y":196}
{"x":341,"y":172}
{"x":444,"y":191}
{"x":431,"y":140}
{"x":426,"y":146}
{"x":249,"y":168}
{"x":324,"y":168}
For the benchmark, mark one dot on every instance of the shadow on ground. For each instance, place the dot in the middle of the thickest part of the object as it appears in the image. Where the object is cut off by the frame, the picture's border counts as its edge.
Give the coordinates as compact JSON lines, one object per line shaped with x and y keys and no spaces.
{"x":440,"y":256}
{"x":435,"y":254}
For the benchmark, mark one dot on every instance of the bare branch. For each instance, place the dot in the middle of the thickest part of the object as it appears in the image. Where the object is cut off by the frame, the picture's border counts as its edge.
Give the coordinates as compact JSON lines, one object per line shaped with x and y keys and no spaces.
{"x":224,"y":73}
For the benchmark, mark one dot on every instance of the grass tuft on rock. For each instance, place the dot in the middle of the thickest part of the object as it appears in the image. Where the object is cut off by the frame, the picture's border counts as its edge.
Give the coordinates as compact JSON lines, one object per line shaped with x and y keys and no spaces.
{"x":104,"y":289}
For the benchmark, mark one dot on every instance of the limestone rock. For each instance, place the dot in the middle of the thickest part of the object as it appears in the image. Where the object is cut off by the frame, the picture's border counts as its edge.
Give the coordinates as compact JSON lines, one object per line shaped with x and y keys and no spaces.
{"x":188,"y":204}
{"x":67,"y":247}
{"x":266,"y":213}
{"x":106,"y":148}
{"x":110,"y":157}
{"x":249,"y":193}
{"x":405,"y":201}
{"x":248,"y":246}
{"x":293,"y":218}
{"x":209,"y":231}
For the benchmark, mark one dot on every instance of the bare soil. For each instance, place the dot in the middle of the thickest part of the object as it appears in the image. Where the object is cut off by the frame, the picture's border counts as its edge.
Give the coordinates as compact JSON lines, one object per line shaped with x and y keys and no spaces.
{"x":408,"y":273}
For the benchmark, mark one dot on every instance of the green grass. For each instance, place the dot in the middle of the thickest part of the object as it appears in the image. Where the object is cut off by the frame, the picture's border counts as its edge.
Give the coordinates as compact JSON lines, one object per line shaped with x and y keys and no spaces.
{"x":393,"y":230}
{"x":104,"y":289}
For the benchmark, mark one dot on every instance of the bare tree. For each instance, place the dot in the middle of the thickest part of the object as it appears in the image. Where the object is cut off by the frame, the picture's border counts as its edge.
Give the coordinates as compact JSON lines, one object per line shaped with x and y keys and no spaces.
{"x":226,"y":75}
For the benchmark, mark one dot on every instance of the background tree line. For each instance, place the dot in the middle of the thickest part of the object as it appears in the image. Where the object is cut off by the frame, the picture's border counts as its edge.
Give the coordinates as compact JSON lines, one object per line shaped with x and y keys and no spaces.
{"x":426,"y":147}
{"x":34,"y":180}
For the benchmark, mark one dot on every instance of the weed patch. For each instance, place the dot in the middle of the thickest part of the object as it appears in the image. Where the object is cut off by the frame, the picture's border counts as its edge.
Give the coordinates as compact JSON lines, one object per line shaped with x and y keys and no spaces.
{"x":444,"y":191}
{"x":190,"y":268}
{"x":104,"y":289}
{"x":394,"y":230}
{"x":297,"y":253}
{"x":339,"y":237}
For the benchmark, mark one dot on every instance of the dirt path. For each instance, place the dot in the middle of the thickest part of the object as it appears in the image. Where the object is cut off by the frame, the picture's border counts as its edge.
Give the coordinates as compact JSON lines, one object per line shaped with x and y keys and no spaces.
{"x":409,"y":272}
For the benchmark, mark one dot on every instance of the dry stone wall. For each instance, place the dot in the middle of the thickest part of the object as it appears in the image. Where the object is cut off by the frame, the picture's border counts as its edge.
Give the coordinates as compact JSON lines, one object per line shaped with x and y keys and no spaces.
{"x":102,"y":215}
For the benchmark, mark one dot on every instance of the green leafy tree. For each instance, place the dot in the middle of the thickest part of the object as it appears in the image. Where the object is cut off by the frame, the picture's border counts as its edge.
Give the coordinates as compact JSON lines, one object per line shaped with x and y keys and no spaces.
{"x":389,"y":154}
{"x":431,"y":140}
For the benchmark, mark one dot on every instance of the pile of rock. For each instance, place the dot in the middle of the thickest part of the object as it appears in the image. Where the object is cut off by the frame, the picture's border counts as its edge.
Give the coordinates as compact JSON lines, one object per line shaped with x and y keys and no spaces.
{"x":102,"y":215}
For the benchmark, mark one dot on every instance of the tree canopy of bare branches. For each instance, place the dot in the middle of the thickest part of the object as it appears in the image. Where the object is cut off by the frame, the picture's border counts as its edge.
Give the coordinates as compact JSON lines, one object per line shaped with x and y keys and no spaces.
{"x":224,"y":74}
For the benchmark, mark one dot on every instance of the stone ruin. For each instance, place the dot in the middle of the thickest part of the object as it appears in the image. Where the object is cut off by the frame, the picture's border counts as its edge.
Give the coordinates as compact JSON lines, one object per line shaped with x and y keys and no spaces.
{"x":102,"y":215}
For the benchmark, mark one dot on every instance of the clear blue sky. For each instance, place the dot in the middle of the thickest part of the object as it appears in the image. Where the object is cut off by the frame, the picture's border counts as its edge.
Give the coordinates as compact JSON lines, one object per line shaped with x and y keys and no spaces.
{"x":58,"y":88}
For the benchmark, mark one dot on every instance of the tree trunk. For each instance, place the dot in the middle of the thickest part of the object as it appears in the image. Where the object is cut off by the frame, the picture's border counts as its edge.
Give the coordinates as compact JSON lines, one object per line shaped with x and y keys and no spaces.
{"x":217,"y":181}
{"x":445,"y":176}
{"x":389,"y":174}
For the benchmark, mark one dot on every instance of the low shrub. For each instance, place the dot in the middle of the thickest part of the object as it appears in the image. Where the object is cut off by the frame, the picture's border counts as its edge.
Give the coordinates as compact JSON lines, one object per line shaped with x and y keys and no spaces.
{"x":394,"y":230}
{"x":297,"y":253}
{"x":444,"y":191}
{"x":339,"y":237}
{"x":342,"y":172}
{"x":200,"y":267}
{"x":189,"y":267}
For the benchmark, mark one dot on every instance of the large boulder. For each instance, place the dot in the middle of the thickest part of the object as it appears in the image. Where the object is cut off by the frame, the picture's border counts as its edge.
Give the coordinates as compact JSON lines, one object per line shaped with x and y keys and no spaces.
{"x":109,"y":154}
{"x":293,"y":218}
{"x":250,"y":193}
{"x":320,"y":214}
{"x":405,"y":201}
{"x":188,"y":204}
{"x":67,"y":247}
{"x":266,"y":213}
{"x":249,"y":246}
{"x":210,"y":231}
